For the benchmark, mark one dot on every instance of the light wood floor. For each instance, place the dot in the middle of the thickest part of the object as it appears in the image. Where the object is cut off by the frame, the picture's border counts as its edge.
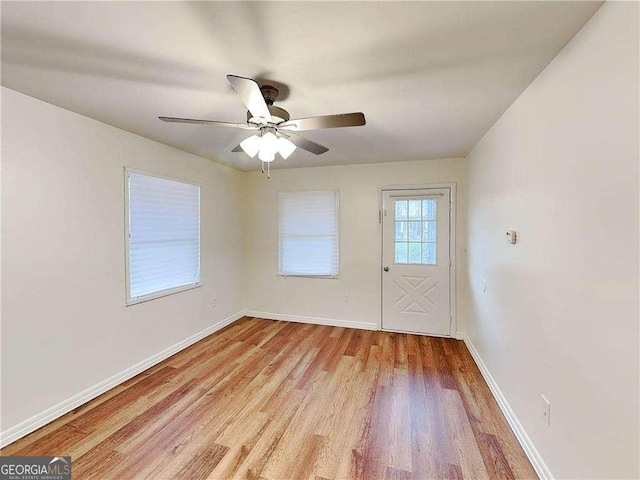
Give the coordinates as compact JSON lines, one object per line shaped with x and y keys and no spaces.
{"x":276,"y":400}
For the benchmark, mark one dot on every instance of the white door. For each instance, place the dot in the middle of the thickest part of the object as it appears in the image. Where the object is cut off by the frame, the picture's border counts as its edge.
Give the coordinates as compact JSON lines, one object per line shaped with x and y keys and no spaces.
{"x":416,"y":261}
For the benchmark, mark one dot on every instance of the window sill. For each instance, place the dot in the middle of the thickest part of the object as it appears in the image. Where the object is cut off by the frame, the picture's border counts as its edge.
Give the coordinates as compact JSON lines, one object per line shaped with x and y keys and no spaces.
{"x":162,"y":293}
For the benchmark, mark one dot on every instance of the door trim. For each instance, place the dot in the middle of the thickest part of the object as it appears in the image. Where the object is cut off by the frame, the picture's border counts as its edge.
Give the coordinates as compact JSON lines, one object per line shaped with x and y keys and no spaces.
{"x":453,"y":301}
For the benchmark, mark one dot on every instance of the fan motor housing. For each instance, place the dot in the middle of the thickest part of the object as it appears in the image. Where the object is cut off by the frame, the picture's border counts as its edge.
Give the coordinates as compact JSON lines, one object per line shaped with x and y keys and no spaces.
{"x":278,"y":114}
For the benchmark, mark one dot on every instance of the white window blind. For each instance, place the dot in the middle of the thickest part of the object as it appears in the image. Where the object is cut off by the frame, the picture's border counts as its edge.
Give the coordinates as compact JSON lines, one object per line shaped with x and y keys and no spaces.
{"x":309,"y":233}
{"x":163,"y":235}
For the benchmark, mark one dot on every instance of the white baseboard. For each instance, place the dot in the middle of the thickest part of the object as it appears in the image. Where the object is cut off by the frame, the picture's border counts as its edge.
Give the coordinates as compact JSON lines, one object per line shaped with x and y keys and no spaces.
{"x":315,"y":320}
{"x":527,"y":445}
{"x":18,"y":431}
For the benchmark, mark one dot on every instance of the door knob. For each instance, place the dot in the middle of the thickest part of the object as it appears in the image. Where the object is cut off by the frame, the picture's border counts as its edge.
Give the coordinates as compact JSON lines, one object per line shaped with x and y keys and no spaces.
{"x":386,"y":269}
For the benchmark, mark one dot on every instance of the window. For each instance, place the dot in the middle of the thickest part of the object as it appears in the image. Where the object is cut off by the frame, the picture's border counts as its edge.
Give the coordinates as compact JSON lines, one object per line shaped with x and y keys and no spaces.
{"x":415,"y":239}
{"x":309,"y":233}
{"x":163,"y":236}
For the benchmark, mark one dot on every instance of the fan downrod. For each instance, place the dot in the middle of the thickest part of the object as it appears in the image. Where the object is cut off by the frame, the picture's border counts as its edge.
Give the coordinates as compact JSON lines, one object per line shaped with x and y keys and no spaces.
{"x":269,"y":93}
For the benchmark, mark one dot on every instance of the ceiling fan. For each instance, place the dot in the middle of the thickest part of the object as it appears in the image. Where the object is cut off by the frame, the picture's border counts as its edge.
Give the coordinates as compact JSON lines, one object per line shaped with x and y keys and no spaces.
{"x":276,"y":132}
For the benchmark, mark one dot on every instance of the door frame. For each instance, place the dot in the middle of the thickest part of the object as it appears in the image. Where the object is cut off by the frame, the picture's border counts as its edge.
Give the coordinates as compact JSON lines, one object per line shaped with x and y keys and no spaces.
{"x":452,"y":246}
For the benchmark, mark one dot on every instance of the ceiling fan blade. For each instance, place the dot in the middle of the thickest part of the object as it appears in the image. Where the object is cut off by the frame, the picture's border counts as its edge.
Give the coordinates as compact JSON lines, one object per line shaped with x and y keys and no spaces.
{"x":251,"y":96}
{"x":305,"y":143}
{"x":208,"y":122}
{"x":329,"y":121}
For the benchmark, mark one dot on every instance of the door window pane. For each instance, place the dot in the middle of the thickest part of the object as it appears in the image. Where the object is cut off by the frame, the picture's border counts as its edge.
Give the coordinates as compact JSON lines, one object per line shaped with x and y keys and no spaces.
{"x":415,"y":231}
{"x":414,"y":253}
{"x":429,"y":232}
{"x":429,"y":209}
{"x":401,"y":210}
{"x":415,"y":240}
{"x":401,"y":253}
{"x":415,"y":210}
{"x":429,"y":253}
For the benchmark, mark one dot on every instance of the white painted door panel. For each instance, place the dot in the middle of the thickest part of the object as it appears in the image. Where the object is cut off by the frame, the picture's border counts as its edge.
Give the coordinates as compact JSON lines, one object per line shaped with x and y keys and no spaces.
{"x":416,"y":261}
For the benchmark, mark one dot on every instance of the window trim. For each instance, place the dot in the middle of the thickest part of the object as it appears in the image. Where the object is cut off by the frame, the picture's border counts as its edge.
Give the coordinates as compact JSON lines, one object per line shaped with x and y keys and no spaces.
{"x":129,"y":301}
{"x":337,"y":210}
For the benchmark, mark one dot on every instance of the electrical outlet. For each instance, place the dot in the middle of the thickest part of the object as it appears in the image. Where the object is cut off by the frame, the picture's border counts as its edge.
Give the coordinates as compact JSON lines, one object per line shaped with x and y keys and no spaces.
{"x":214,"y":302}
{"x":545,"y":406}
{"x":346,"y":298}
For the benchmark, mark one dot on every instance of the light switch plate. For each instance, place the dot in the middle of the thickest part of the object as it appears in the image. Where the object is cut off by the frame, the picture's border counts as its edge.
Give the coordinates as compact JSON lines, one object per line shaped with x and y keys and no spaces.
{"x":512,"y":237}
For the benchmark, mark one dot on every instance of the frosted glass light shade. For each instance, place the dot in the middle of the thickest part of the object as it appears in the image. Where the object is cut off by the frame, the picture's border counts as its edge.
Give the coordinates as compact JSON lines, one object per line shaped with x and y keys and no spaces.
{"x":266,"y":155}
{"x":268,"y":147}
{"x":251,"y":145}
{"x":285,"y":147}
{"x":269,"y":143}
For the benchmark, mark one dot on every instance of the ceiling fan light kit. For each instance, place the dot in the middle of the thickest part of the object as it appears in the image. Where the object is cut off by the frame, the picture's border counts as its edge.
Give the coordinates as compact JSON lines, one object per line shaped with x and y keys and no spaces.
{"x":276,"y":131}
{"x":267,"y":144}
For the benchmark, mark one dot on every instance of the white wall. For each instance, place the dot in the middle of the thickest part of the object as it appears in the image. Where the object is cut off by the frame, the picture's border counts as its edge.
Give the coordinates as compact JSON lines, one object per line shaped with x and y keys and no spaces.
{"x":360,"y":233}
{"x":560,"y":316}
{"x":65,"y":326}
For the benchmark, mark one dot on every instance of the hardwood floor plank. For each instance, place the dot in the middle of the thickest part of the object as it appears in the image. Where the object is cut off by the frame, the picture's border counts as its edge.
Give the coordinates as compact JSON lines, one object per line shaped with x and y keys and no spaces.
{"x":494,"y":458}
{"x":339,"y":426}
{"x":351,"y":463}
{"x":61,"y":441}
{"x":354,"y":344}
{"x":424,"y":428}
{"x":201,"y":463}
{"x":270,"y":400}
{"x":397,"y":474}
{"x":262,"y":451}
{"x":377,"y":437}
{"x":451,"y":472}
{"x":447,"y":379}
{"x":69,"y":417}
{"x":400,"y":422}
{"x":296,"y":438}
{"x":466,"y":453}
{"x":206,"y":414}
{"x":117,"y":408}
{"x":102,"y":469}
{"x":162,"y":413}
{"x":485,"y":415}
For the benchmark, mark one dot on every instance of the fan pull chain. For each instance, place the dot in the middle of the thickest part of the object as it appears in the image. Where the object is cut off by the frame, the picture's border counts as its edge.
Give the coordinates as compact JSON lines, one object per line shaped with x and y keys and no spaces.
{"x":269,"y":170}
{"x":262,"y":167}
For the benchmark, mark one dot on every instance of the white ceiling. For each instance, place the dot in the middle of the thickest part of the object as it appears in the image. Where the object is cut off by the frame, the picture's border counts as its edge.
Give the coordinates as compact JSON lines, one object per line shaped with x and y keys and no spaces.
{"x":431,"y":77}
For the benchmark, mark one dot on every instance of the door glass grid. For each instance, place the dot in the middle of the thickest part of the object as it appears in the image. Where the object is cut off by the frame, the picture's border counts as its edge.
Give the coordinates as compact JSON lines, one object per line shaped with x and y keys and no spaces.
{"x":415,"y":232}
